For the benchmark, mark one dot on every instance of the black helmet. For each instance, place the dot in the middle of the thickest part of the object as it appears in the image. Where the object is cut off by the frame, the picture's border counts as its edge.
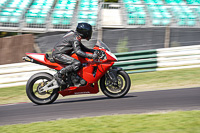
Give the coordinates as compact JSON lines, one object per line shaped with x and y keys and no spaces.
{"x":85,"y":30}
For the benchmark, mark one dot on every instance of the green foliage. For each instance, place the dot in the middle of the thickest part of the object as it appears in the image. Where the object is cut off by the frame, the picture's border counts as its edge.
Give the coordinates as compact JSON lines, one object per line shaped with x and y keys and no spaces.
{"x":171,"y":79}
{"x":122,"y":45}
{"x":171,"y":122}
{"x":175,"y":44}
{"x":13,"y":95}
{"x":111,"y":1}
{"x":5,"y":34}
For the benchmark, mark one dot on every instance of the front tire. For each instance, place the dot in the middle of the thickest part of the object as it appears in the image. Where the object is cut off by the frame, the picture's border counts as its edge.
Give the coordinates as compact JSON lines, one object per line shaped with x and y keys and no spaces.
{"x":33,"y":86}
{"x":112,"y":91}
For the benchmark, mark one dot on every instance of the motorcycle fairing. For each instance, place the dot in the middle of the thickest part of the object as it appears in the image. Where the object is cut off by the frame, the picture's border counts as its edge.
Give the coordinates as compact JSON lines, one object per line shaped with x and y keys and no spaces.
{"x":40,"y":58}
{"x":87,"y":72}
{"x":88,"y":89}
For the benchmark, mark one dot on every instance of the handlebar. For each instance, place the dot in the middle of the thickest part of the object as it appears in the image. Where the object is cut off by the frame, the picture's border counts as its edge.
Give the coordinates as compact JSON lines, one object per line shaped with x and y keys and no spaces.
{"x":100,"y":54}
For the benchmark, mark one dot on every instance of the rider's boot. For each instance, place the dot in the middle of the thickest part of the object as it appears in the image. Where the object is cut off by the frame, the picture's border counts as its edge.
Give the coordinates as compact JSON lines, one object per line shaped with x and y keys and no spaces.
{"x":63,"y":73}
{"x":59,"y":78}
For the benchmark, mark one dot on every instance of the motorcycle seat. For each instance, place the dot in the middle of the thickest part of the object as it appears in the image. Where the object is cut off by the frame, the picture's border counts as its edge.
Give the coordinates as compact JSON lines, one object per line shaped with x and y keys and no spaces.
{"x":49,"y":57}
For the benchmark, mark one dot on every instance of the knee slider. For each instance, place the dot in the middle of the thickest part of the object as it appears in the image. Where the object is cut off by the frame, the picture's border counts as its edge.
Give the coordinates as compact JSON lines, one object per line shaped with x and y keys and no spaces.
{"x":76,"y":66}
{"x":77,"y":63}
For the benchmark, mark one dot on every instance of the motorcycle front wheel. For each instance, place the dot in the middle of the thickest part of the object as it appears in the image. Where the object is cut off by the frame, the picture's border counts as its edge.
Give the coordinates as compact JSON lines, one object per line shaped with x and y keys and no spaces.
{"x":116,"y":91}
{"x":33,"y":86}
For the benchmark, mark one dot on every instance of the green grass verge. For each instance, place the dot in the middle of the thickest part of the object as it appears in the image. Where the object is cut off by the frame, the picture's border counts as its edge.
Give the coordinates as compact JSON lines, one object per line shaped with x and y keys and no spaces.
{"x":13,"y":95}
{"x":171,"y":122}
{"x":173,"y":79}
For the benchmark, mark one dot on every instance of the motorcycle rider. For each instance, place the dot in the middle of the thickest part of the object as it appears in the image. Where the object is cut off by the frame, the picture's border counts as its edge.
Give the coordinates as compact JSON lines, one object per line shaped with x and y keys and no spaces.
{"x":69,"y":44}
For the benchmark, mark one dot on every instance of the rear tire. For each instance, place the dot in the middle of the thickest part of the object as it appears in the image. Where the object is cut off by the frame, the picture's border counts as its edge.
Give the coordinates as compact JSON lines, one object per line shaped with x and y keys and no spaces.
{"x":32,"y":89}
{"x":121,"y":90}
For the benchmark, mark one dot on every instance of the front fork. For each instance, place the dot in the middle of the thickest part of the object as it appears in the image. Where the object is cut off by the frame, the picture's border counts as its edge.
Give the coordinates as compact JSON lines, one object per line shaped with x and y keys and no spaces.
{"x":112,"y":75}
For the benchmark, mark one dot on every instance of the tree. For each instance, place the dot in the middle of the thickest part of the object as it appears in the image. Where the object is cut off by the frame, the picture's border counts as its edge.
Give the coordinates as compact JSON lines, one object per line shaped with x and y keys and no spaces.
{"x":122,"y":45}
{"x":111,"y":1}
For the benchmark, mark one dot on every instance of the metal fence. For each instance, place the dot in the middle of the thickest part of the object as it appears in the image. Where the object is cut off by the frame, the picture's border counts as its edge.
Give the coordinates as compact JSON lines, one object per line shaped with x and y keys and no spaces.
{"x":133,"y":39}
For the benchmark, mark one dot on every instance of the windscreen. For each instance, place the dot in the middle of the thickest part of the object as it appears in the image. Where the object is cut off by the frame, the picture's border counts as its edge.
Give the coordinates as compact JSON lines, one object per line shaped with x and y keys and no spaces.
{"x":102,"y":45}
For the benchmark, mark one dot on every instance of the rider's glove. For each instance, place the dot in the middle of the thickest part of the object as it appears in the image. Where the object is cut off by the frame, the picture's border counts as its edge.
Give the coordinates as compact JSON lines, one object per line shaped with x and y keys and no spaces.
{"x":95,"y":56}
{"x":92,"y":56}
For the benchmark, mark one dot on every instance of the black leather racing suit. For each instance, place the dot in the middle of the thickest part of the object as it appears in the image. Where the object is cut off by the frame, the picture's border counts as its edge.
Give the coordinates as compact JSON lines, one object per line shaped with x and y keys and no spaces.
{"x":70,"y":43}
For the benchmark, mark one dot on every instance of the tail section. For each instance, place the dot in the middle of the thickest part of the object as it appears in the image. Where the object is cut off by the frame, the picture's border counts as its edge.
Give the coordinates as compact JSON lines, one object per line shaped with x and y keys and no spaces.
{"x":37,"y":57}
{"x":40,"y":58}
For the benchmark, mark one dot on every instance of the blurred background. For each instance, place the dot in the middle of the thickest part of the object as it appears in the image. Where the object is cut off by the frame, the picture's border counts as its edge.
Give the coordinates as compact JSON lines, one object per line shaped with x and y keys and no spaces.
{"x":124,"y":25}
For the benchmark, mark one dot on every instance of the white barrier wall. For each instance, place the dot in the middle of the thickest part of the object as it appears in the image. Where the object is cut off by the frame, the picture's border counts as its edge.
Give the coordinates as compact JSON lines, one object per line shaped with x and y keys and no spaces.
{"x":180,"y":57}
{"x":18,"y":73}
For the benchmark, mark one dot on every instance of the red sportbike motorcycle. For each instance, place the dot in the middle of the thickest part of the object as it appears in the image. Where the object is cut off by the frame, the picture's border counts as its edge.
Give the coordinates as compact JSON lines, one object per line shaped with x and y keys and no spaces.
{"x":42,"y":88}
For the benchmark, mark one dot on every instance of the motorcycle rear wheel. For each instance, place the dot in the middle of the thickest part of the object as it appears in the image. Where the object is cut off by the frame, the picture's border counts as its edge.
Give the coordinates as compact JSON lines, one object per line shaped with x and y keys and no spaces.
{"x":112,"y":91}
{"x":33,"y":86}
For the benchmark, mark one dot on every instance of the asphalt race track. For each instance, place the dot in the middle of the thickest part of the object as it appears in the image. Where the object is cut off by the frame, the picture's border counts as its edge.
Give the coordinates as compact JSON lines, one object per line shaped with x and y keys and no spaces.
{"x":140,"y":102}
